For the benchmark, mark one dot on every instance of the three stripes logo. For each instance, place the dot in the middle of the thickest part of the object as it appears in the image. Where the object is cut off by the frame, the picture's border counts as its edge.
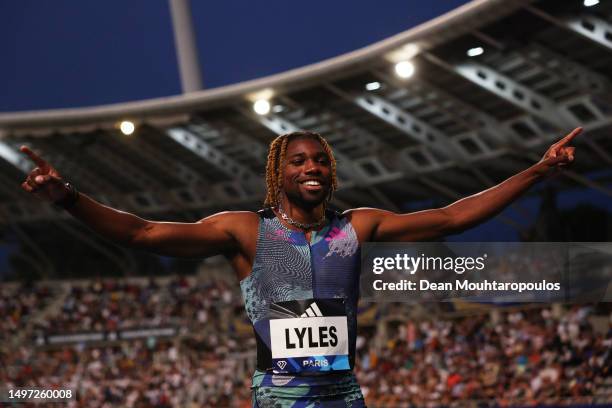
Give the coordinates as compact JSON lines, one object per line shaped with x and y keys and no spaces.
{"x":312,"y":311}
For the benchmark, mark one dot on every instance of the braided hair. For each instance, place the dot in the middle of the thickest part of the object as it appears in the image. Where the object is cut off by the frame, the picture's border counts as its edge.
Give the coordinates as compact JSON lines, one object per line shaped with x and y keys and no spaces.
{"x":276,"y":158}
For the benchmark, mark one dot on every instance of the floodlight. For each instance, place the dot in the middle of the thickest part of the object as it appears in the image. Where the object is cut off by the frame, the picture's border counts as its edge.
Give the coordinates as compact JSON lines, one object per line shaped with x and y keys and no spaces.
{"x":261,"y":107}
{"x":372,"y":86}
{"x":474,"y":52}
{"x":404,"y":69}
{"x":127,"y":127}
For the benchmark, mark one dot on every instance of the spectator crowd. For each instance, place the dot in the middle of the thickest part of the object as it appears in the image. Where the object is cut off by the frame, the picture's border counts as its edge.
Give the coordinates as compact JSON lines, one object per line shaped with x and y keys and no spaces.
{"x":523,"y":357}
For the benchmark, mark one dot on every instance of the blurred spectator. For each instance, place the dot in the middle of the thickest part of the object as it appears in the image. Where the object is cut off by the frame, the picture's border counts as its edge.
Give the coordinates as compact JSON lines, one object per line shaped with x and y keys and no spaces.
{"x":526,"y":357}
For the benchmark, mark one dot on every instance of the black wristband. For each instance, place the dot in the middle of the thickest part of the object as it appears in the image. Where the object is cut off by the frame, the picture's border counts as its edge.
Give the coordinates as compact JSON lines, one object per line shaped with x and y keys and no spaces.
{"x":70,"y":199}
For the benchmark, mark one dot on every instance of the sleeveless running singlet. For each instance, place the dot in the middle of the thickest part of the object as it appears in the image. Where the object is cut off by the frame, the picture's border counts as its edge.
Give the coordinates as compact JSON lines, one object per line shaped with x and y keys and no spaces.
{"x":323,"y":275}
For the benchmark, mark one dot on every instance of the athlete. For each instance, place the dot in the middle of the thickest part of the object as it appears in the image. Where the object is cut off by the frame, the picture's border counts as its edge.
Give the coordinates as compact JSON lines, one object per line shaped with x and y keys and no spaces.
{"x":297,"y":261}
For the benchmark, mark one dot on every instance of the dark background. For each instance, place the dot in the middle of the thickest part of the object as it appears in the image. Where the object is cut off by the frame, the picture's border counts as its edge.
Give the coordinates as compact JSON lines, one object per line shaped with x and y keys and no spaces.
{"x":68,"y":53}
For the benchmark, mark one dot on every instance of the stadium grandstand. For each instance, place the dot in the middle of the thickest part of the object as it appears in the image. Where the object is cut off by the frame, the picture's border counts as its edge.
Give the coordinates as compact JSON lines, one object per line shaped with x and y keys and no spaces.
{"x":421,"y":119}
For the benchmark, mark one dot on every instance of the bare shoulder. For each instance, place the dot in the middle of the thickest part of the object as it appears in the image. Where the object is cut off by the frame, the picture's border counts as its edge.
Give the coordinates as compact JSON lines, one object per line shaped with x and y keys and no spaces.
{"x":363,"y":212}
{"x":364,"y":221}
{"x":234,"y":222}
{"x":232,"y":216}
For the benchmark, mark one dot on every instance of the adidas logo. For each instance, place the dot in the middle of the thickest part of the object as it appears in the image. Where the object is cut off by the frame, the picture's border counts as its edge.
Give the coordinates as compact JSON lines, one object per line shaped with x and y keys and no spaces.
{"x":312,"y":311}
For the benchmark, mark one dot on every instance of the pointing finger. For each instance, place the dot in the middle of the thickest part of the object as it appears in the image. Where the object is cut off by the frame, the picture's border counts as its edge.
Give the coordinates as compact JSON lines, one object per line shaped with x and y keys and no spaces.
{"x":33,"y":156}
{"x":570,"y":136}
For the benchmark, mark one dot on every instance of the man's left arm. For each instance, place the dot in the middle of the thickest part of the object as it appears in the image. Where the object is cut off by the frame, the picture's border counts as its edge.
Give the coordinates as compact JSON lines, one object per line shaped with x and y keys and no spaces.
{"x":464,"y":213}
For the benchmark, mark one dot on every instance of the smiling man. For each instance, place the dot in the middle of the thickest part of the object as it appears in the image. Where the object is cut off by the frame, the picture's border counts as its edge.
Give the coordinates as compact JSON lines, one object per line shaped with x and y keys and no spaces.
{"x":297,"y":261}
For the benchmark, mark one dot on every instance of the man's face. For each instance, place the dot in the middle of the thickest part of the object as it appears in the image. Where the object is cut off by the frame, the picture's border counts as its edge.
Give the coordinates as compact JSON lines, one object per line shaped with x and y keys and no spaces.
{"x":306,"y":173}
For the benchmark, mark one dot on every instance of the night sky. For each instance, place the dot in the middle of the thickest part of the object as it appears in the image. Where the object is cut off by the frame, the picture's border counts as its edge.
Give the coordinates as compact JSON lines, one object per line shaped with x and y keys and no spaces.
{"x":69,"y":53}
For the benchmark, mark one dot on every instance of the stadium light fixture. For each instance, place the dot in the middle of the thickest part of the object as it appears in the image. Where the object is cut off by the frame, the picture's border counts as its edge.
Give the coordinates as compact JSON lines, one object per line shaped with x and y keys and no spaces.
{"x":372,"y":86}
{"x":476,"y":51}
{"x":404,"y":69}
{"x":590,"y":3}
{"x":261,"y":107}
{"x":127,"y":127}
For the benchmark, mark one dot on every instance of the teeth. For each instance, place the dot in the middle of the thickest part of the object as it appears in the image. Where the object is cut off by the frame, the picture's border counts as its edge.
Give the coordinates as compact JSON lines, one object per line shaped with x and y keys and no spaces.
{"x":312,"y":183}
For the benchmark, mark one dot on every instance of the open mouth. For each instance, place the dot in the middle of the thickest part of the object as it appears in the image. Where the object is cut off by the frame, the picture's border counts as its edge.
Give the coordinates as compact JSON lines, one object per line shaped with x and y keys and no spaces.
{"x":312,"y":185}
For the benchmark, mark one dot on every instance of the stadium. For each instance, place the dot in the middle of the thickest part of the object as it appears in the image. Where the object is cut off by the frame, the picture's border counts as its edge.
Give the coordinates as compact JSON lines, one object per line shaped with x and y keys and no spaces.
{"x":419,"y":120}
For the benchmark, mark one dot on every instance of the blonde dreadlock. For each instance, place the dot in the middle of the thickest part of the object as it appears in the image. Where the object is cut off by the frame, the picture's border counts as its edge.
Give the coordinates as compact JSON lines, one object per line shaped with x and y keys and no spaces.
{"x":276,"y":157}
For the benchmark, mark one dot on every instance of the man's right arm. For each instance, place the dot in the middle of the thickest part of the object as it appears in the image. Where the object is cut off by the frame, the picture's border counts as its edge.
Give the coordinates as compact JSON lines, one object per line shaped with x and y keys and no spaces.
{"x":210,"y":236}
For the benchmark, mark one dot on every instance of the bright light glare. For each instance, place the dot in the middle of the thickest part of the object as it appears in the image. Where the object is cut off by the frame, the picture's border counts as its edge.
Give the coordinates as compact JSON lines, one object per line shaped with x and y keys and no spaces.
{"x":278,"y":108}
{"x":372,"y":86}
{"x":127,"y":127}
{"x":404,"y":69}
{"x":261,"y":107}
{"x":474,"y":52}
{"x":590,"y":3}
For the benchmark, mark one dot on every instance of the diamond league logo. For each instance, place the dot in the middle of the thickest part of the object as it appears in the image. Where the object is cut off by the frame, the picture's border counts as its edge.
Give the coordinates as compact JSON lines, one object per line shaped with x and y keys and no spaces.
{"x":281,"y":364}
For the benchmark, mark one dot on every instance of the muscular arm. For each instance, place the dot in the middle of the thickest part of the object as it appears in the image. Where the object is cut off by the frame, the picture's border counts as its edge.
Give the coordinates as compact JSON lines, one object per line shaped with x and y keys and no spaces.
{"x":379,"y":225}
{"x":213,"y":235}
{"x":210,"y":236}
{"x":456,"y":217}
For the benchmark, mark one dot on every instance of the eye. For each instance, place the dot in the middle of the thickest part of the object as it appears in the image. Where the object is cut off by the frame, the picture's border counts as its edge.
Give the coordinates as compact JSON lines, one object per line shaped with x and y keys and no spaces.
{"x":297,"y":162}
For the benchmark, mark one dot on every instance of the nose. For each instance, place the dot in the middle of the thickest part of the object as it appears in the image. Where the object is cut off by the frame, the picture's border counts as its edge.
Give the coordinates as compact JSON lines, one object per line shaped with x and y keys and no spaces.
{"x":312,"y":167}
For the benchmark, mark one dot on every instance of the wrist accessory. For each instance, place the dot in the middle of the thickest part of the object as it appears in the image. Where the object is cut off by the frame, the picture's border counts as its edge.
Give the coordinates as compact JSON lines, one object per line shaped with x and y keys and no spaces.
{"x":70,"y":199}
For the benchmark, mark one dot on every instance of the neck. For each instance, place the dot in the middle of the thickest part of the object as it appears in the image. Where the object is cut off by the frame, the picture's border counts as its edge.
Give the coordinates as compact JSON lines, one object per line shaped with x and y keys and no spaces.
{"x":304,"y":215}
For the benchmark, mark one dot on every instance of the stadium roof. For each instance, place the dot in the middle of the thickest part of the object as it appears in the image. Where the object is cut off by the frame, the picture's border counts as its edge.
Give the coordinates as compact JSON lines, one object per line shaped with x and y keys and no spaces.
{"x":495,"y":83}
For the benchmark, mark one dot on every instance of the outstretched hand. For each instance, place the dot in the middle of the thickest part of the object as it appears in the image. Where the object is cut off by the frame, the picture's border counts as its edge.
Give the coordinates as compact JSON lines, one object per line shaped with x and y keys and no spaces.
{"x":560,"y":154}
{"x":44,"y":181}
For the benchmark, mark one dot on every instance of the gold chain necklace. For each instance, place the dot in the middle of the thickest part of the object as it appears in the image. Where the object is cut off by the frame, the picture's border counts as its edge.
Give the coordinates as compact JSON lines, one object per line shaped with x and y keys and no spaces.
{"x":298,"y":224}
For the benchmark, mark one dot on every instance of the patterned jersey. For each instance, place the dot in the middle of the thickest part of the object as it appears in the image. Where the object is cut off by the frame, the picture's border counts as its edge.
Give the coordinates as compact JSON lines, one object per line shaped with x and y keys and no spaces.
{"x":288,"y":267}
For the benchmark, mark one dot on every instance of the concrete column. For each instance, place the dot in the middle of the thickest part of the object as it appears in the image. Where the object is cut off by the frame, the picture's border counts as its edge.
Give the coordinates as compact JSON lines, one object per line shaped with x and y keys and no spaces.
{"x":185,"y":43}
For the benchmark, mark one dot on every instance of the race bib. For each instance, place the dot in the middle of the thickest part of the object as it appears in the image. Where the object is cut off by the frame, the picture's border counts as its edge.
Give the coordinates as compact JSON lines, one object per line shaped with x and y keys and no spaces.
{"x":309,"y":335}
